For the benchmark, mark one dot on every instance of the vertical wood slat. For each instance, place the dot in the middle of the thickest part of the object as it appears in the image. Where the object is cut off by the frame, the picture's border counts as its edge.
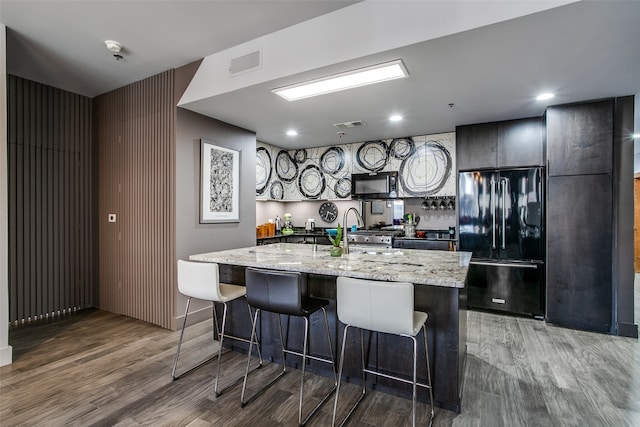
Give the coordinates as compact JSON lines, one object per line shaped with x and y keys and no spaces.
{"x":135,"y":128}
{"x":51,"y":185}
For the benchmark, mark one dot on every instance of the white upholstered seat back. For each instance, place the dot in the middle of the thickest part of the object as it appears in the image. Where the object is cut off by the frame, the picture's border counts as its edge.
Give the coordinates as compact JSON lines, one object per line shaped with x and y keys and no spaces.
{"x":199,"y":280}
{"x":376,"y":306}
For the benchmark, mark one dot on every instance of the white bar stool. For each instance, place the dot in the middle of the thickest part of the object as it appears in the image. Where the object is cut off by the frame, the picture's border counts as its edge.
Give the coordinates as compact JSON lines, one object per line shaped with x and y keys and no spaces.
{"x":385,"y":307}
{"x":200,"y":280}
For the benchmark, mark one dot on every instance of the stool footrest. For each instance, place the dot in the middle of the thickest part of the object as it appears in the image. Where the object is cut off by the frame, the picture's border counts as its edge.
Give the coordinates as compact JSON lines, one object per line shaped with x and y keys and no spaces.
{"x":319,"y":359}
{"x":235,"y":338}
{"x":391,"y":377}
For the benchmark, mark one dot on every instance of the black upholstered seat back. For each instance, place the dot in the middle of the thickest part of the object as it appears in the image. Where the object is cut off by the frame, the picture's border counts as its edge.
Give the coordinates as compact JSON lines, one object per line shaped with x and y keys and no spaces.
{"x":276,"y":291}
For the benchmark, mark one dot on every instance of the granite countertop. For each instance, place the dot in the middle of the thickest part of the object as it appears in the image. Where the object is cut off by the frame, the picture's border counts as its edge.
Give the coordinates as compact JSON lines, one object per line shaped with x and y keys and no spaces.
{"x":436,"y":268}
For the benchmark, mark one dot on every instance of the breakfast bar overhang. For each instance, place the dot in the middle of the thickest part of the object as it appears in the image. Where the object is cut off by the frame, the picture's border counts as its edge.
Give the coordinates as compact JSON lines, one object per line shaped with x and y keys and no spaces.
{"x":439,"y":278}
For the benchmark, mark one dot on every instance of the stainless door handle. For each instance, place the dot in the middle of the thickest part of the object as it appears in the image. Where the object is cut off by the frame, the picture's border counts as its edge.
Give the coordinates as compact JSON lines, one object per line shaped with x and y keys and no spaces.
{"x":493,"y":212}
{"x":503,"y":185}
{"x":499,"y":264}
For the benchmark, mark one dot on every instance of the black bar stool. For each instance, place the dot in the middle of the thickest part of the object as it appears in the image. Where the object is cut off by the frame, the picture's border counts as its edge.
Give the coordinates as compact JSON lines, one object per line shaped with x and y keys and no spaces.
{"x":200,"y":280}
{"x":284,"y":292}
{"x":385,"y":307}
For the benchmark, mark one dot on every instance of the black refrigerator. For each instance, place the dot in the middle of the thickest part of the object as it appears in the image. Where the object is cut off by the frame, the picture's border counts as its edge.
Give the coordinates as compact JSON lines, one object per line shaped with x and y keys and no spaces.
{"x":501,"y":221}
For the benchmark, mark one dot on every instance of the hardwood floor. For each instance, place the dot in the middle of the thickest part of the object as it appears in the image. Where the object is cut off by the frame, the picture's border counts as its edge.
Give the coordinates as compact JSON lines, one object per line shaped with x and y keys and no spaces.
{"x":96,"y":368}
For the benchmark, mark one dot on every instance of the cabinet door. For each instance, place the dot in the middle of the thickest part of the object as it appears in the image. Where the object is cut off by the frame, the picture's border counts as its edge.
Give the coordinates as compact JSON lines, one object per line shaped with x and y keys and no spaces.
{"x":476,"y":146}
{"x":580,"y":138}
{"x":579,"y":239}
{"x":520,"y":143}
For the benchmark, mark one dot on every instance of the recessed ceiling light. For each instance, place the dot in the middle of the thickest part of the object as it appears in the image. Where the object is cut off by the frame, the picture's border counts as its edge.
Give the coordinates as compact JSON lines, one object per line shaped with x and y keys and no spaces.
{"x":395,"y":118}
{"x":350,"y":79}
{"x":292,"y":132}
{"x":544,"y":96}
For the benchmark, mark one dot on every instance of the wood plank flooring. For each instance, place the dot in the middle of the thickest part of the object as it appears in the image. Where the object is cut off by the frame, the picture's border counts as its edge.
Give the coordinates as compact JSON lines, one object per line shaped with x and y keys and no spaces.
{"x":95,"y":368}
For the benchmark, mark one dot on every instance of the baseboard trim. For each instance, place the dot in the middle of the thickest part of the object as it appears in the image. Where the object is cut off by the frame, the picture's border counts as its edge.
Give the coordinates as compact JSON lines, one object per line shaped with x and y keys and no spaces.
{"x":628,"y":330}
{"x":6,"y":355}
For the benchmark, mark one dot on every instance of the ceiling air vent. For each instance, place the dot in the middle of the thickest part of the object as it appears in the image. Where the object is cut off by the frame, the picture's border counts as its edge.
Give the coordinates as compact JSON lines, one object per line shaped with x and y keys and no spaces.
{"x":349,"y":125}
{"x":241,"y":64}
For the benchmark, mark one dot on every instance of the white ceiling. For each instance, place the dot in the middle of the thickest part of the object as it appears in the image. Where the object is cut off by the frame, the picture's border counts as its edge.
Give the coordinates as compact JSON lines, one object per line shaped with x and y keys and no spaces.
{"x":61,"y":43}
{"x":581,"y":51}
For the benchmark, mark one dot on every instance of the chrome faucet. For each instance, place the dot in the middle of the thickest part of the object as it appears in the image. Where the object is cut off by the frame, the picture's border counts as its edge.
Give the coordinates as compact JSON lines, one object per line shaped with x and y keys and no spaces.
{"x":360,"y":222}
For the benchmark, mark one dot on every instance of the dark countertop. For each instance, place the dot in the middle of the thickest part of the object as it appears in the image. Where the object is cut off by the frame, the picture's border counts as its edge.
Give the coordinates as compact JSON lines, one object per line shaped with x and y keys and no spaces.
{"x":427,"y":238}
{"x":296,"y":234}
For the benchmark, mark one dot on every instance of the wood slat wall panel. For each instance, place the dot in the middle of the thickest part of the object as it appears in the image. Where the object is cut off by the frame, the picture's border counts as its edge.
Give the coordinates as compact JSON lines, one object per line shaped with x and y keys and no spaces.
{"x":52,"y":236}
{"x":136,"y":180}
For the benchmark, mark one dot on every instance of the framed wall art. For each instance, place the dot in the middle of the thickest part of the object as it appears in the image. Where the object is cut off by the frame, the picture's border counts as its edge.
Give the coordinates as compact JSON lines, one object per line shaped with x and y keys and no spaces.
{"x":219,"y":183}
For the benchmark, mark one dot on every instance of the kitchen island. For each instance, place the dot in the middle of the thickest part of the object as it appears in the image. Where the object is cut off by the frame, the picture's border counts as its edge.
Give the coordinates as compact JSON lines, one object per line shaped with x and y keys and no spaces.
{"x":440,"y":291}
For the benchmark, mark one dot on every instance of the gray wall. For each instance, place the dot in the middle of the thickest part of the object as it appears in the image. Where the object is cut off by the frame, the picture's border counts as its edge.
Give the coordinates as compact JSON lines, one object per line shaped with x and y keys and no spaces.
{"x":191,"y":236}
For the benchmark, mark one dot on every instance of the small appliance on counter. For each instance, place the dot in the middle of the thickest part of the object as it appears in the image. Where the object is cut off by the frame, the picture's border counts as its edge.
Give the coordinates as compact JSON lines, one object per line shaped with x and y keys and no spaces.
{"x":310,"y":225}
{"x":410,"y":227}
{"x":288,"y":225}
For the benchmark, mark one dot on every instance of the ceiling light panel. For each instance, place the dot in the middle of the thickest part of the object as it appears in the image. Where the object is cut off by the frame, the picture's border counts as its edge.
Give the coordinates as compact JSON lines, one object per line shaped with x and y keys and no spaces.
{"x":350,"y":79}
{"x":544,"y":96}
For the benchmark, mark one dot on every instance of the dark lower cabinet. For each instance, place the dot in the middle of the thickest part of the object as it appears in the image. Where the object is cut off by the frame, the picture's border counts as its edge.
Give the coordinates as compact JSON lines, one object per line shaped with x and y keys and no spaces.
{"x":579,"y":249}
{"x":426,"y":244}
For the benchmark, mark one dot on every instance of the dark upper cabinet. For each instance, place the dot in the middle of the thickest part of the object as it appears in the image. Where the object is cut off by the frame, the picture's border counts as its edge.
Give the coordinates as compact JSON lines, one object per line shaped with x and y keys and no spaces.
{"x":579,"y":251}
{"x":511,"y":143}
{"x":520,"y":143}
{"x":476,"y":146}
{"x":580,"y":138}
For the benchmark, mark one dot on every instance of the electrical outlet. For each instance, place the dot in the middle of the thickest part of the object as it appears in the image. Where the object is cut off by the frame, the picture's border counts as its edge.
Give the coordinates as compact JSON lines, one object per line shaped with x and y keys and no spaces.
{"x":111,"y":217}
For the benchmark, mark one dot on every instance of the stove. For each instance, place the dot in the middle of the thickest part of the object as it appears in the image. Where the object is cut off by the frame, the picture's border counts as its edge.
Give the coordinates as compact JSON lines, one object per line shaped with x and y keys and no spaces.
{"x":373,"y":238}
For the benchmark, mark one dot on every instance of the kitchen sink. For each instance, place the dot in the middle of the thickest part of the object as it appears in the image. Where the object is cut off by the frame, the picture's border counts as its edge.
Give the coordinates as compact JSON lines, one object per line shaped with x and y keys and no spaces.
{"x":375,"y":251}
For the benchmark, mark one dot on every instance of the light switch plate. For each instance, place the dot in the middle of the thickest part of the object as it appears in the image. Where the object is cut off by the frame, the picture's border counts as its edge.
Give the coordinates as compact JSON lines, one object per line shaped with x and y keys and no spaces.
{"x":111,"y":218}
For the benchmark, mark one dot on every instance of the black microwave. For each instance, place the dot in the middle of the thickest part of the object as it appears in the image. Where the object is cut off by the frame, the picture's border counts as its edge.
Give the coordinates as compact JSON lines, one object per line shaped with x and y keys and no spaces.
{"x":381,"y":185}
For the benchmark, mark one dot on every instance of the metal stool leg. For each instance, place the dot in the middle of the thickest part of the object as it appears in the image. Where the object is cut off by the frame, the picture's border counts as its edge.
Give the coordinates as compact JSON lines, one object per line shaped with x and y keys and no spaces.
{"x":415,"y":380}
{"x":184,"y":324}
{"x":246,"y":374}
{"x":175,"y":361}
{"x":363,"y":372}
{"x":426,"y":351}
{"x":222,"y":335}
{"x":304,"y":362}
